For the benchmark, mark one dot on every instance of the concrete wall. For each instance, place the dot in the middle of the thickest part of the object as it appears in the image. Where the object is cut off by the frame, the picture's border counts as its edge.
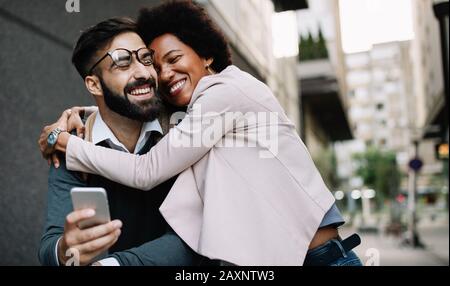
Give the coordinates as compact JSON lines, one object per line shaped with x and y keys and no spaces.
{"x":37,"y":83}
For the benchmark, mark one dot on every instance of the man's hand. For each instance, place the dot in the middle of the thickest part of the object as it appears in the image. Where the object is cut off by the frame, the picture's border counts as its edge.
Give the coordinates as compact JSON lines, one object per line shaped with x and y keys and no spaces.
{"x":86,"y":244}
{"x":70,"y":120}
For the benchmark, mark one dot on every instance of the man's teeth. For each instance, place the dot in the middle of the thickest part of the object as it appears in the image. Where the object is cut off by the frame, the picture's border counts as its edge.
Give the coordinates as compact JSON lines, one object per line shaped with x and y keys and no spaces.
{"x":140,"y":91}
{"x":177,"y":86}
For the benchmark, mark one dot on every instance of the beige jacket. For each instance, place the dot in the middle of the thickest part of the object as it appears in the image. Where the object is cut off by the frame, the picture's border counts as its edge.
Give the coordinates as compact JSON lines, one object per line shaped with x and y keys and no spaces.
{"x":239,"y":197}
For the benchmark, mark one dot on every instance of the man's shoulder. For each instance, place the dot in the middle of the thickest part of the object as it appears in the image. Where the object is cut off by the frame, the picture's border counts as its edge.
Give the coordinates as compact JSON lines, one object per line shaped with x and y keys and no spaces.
{"x":61,"y":176}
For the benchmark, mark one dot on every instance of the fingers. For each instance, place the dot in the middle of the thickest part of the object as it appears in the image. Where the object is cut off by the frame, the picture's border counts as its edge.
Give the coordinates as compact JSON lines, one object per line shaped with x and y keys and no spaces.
{"x":63,"y":120}
{"x":75,"y":122}
{"x":96,"y":232}
{"x":80,"y":132}
{"x":101,"y":243}
{"x":93,"y":241}
{"x":55,"y":160}
{"x":67,"y":112}
{"x":75,"y":217}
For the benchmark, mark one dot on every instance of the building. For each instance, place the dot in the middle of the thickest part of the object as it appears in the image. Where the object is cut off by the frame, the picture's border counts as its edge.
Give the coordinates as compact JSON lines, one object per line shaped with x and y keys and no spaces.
{"x":324,"y":107}
{"x":428,"y":70}
{"x":248,"y":26}
{"x":396,"y":95}
{"x":429,"y":52}
{"x":379,"y":91}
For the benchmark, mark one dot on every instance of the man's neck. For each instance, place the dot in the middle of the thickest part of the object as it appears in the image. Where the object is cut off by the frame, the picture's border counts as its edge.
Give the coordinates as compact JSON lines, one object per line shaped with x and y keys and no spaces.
{"x":126,"y":130}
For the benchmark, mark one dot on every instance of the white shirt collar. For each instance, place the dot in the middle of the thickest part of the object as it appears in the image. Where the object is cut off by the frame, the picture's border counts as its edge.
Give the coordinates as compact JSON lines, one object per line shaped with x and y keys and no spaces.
{"x":101,"y":132}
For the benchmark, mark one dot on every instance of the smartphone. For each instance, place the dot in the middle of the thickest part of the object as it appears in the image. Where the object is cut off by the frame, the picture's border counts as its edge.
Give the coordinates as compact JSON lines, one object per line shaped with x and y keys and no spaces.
{"x":93,"y":198}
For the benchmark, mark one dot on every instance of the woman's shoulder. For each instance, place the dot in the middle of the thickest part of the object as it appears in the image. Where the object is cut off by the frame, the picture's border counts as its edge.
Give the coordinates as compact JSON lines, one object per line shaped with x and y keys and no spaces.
{"x":226,"y":82}
{"x":230,"y":80}
{"x":225,"y":77}
{"x":233,"y":89}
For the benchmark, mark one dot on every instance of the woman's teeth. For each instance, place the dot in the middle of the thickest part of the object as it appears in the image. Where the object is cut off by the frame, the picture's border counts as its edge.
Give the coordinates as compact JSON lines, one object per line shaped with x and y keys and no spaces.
{"x":140,"y":91}
{"x":177,"y":86}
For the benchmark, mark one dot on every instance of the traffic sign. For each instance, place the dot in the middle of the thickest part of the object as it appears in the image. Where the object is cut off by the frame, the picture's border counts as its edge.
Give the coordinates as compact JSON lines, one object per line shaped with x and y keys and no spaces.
{"x":415,"y":164}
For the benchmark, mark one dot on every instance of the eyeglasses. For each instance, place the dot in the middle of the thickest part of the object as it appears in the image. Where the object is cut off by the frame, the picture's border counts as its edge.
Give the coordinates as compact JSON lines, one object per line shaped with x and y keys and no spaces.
{"x":123,"y":57}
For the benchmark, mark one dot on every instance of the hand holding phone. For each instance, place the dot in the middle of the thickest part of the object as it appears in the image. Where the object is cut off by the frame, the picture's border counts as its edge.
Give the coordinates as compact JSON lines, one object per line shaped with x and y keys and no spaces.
{"x":87,"y":236}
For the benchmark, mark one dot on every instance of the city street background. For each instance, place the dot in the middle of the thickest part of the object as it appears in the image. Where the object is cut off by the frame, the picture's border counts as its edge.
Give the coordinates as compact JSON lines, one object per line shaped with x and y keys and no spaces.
{"x":364,"y":81}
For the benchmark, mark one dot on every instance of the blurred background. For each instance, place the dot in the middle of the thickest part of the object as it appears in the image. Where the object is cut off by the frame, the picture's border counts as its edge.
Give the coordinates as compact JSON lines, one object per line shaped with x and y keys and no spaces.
{"x":365,"y":82}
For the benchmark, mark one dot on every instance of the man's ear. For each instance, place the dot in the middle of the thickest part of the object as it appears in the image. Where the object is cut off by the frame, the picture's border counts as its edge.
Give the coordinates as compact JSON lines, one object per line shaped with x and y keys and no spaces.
{"x":93,"y":85}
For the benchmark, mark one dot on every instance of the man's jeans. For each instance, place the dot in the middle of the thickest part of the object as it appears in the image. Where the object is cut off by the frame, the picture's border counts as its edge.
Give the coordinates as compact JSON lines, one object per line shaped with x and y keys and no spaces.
{"x":348,"y":258}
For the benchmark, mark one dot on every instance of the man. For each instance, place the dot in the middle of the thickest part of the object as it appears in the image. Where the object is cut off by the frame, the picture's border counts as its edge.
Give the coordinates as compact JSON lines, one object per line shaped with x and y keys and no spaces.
{"x":117,"y":70}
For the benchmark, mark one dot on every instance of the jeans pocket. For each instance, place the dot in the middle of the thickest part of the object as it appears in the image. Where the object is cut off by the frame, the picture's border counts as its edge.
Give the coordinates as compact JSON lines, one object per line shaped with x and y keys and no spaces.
{"x":351,"y":260}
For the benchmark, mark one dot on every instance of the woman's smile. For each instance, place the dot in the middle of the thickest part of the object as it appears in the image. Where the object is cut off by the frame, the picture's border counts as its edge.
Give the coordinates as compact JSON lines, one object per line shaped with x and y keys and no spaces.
{"x":176,"y":87}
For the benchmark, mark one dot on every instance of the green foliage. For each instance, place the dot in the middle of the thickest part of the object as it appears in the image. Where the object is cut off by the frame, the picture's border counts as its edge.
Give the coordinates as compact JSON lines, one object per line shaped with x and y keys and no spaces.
{"x":326,"y":164}
{"x":312,"y":49}
{"x":379,"y":171}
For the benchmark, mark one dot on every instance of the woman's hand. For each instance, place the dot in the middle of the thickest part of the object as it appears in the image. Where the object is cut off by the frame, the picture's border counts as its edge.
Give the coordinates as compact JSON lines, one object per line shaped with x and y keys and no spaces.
{"x":69,"y":120}
{"x":75,"y":122}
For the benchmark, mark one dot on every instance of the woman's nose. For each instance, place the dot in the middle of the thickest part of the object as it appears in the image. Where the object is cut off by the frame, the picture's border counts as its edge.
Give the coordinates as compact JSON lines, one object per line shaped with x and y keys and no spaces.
{"x":166,"y":74}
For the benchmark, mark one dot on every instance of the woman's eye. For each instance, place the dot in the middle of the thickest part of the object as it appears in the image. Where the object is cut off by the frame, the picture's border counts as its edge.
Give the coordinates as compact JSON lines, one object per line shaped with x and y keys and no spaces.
{"x":174,"y":59}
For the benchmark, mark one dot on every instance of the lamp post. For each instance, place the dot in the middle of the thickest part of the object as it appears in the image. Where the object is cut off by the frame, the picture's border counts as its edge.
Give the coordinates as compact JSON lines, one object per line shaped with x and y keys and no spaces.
{"x":415,"y":165}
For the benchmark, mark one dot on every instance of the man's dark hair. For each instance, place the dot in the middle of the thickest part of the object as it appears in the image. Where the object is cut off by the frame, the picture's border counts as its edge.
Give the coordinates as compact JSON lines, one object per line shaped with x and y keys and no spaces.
{"x":96,"y":38}
{"x":190,"y":23}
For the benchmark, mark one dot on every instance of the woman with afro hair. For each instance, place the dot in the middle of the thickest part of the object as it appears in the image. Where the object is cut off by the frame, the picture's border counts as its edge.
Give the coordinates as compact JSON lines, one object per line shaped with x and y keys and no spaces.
{"x":239,"y":197}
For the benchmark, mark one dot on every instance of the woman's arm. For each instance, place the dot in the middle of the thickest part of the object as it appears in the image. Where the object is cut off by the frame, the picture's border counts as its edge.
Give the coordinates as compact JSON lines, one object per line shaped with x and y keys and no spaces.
{"x":70,"y":119}
{"x":205,"y":125}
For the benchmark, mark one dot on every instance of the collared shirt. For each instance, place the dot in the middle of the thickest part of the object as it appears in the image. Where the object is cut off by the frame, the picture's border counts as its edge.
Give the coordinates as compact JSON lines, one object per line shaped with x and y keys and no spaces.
{"x":102,"y":133}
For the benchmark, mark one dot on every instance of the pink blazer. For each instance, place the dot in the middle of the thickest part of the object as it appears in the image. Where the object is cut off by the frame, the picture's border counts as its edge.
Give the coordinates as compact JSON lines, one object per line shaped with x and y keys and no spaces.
{"x":239,"y":197}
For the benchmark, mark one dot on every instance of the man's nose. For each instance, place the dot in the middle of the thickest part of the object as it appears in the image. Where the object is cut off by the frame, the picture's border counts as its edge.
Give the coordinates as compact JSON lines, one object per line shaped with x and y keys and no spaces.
{"x":141,"y":71}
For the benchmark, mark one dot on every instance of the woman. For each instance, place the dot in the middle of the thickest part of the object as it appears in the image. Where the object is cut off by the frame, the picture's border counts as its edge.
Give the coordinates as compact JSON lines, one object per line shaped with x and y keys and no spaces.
{"x":239,"y":197}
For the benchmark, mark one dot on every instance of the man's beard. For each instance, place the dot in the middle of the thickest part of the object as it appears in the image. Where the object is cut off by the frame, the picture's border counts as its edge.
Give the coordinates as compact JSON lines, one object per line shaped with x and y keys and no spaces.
{"x":145,"y":111}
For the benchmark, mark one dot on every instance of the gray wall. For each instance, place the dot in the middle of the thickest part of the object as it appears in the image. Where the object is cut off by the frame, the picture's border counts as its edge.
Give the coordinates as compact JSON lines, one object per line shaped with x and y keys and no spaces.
{"x":37,"y":83}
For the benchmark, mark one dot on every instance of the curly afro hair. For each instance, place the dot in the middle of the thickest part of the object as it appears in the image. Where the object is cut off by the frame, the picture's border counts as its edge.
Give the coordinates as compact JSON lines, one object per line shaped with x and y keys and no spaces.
{"x":190,"y":23}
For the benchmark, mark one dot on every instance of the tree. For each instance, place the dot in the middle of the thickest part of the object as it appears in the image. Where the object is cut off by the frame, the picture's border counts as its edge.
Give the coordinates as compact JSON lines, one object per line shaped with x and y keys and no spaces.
{"x":379,"y":171}
{"x":312,"y":49}
{"x":322,"y":51}
{"x":326,"y":164}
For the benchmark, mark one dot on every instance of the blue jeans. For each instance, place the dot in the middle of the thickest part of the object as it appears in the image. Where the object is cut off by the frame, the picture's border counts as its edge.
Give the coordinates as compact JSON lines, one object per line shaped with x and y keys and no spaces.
{"x":348,"y":258}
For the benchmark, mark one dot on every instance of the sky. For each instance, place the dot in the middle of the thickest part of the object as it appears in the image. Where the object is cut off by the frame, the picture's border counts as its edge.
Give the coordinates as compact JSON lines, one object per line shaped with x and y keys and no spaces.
{"x":367,"y":22}
{"x":285,"y":34}
{"x":363,"y":23}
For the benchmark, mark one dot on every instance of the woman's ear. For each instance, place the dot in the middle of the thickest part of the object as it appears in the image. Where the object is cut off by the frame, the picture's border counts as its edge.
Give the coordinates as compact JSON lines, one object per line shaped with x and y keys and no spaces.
{"x":208,"y":64}
{"x":93,"y":85}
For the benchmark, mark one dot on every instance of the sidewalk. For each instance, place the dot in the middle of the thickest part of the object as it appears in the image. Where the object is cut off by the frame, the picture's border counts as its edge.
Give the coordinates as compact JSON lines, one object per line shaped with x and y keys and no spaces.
{"x":389,"y":251}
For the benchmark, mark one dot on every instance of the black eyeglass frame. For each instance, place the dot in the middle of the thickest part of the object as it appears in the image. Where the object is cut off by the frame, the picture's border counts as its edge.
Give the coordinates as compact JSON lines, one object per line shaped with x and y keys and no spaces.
{"x":136,"y":52}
